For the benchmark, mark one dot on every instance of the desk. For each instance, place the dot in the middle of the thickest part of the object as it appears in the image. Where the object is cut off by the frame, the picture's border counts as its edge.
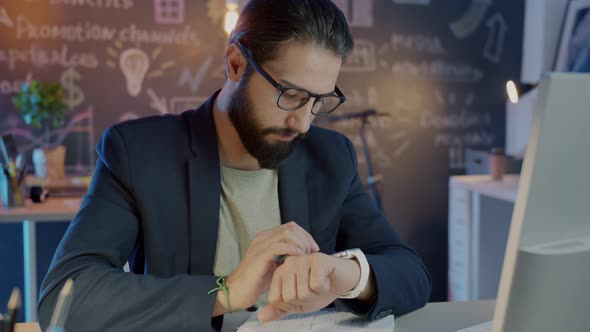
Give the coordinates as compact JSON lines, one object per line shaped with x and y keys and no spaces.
{"x":434,"y":317}
{"x":480,"y":212}
{"x":54,"y":209}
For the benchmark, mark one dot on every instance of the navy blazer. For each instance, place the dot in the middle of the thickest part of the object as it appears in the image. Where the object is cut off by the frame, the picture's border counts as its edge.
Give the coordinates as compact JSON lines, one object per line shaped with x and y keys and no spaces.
{"x":154,"y":201}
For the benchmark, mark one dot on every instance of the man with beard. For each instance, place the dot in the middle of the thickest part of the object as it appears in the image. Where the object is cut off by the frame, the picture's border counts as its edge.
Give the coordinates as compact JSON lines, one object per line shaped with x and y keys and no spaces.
{"x":239,"y":198}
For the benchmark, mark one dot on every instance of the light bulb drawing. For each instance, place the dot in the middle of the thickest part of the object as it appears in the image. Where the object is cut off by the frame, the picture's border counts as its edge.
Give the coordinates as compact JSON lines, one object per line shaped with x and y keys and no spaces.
{"x":134,"y":64}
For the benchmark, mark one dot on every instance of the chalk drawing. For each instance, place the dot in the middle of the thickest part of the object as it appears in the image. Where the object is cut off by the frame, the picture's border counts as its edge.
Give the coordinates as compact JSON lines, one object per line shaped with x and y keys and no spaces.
{"x":73,"y":94}
{"x":471,"y":19}
{"x":169,"y":11}
{"x":157,"y":103}
{"x":194,"y":81}
{"x":134,"y":63}
{"x":5,"y":19}
{"x":496,"y":35}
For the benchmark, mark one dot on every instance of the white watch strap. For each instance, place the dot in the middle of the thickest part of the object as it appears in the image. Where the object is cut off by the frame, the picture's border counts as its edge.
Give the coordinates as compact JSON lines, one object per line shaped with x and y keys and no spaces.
{"x":365,"y":269}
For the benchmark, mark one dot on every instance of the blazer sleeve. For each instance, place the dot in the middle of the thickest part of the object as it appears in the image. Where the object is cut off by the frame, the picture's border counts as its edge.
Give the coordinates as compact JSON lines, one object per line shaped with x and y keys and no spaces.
{"x":97,"y":244}
{"x":402,"y":281}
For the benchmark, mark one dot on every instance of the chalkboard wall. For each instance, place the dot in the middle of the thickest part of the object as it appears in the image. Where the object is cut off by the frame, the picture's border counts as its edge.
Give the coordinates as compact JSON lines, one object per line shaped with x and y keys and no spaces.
{"x":435,"y":67}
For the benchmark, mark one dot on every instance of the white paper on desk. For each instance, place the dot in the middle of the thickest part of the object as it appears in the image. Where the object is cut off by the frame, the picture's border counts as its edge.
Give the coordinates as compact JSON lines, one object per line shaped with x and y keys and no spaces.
{"x":323,"y":320}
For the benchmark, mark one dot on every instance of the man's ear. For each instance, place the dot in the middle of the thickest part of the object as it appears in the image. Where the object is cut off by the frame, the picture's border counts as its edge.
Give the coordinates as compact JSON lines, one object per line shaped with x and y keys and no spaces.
{"x":235,"y":63}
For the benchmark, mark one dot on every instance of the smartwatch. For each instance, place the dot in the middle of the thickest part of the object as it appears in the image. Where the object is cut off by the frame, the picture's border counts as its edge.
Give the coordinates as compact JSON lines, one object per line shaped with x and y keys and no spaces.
{"x":365,"y":269}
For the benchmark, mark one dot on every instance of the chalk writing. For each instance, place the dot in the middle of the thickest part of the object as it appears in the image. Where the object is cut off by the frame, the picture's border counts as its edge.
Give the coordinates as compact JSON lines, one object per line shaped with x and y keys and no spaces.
{"x":417,"y":43}
{"x":9,"y":87}
{"x":472,"y":138}
{"x":82,"y":32}
{"x":185,"y":37}
{"x":436,"y":70}
{"x":95,"y":4}
{"x":362,"y":58}
{"x":39,"y":57}
{"x":455,"y":120}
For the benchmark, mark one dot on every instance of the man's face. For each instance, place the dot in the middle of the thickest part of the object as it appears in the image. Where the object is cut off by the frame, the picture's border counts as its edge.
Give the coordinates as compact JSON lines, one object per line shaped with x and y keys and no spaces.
{"x":269,"y":133}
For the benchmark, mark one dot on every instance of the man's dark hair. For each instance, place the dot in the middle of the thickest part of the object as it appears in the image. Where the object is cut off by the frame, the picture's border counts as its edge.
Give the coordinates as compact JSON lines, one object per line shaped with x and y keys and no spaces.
{"x":265,"y":25}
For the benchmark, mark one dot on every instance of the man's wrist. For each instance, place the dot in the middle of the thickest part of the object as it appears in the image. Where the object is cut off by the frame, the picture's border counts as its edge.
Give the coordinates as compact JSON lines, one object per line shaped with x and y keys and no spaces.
{"x":354,"y":266}
{"x":227,"y":303}
{"x":357,"y":257}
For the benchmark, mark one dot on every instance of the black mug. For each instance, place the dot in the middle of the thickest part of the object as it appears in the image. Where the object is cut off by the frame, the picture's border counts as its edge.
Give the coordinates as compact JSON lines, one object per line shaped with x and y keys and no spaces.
{"x":38,"y":194}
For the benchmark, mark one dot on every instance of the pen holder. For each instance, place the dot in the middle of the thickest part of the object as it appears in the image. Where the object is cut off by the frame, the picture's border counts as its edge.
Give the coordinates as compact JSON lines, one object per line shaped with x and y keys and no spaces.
{"x":10,"y":194}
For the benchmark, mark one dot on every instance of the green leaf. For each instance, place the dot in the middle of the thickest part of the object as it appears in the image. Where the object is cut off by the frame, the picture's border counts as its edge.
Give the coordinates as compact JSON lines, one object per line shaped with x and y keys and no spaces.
{"x":41,"y":102}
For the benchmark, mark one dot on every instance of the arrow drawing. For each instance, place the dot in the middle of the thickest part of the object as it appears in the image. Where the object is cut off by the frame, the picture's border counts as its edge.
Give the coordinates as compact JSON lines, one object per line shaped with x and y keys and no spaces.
{"x":495,"y":44}
{"x":158,"y":103}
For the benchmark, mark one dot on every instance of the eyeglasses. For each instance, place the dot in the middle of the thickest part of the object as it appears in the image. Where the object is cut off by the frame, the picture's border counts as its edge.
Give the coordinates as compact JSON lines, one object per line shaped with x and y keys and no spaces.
{"x":291,"y":98}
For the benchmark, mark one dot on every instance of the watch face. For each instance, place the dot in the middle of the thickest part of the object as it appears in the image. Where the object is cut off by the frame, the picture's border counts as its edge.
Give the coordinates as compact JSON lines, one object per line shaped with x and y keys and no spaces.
{"x":347,"y":253}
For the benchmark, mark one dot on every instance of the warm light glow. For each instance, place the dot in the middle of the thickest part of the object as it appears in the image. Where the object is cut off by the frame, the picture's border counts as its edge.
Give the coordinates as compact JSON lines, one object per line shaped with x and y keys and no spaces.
{"x":512,"y":91}
{"x":231,"y":16}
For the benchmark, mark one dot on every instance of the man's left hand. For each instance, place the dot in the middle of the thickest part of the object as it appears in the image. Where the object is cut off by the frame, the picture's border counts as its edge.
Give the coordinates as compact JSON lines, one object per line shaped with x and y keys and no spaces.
{"x":308,"y":283}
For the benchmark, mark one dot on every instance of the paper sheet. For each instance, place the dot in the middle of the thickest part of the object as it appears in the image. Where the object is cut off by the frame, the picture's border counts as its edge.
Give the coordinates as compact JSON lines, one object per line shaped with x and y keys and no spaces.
{"x":324,"y":321}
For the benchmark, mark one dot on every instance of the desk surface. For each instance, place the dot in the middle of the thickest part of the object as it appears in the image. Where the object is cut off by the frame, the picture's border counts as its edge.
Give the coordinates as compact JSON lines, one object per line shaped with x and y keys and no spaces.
{"x":505,"y":189}
{"x":434,"y":317}
{"x":53,"y":209}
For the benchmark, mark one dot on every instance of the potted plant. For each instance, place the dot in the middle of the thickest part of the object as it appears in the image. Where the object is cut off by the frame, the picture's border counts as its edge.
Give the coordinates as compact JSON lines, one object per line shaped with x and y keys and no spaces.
{"x":41,"y":105}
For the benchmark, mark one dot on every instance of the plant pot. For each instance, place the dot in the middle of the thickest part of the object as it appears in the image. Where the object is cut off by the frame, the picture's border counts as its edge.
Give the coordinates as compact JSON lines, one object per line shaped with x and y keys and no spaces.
{"x":50,"y":163}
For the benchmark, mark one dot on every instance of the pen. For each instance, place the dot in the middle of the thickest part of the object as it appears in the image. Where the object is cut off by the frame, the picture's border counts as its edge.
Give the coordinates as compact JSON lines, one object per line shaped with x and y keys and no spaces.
{"x":18,"y":200}
{"x":21,"y":174}
{"x":62,"y":307}
{"x":13,"y":307}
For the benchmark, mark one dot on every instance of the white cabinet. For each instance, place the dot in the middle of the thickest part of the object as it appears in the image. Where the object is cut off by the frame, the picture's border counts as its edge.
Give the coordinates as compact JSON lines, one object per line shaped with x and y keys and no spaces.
{"x":480,"y":211}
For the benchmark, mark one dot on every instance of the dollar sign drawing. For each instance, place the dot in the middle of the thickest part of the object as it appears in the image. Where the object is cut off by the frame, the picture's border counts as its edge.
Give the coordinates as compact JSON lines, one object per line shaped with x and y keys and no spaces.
{"x":74,"y":96}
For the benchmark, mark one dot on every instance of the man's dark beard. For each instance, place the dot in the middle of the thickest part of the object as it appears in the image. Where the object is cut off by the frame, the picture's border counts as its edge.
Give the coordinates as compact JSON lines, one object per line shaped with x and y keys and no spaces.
{"x":241,"y":114}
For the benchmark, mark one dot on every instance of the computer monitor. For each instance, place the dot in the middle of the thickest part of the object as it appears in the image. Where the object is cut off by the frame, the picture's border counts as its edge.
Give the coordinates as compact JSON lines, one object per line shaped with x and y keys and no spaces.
{"x":545,"y":282}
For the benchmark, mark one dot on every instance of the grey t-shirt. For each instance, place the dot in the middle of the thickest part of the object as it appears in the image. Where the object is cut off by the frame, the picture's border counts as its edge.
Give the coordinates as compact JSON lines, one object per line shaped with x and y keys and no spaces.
{"x":249,"y":205}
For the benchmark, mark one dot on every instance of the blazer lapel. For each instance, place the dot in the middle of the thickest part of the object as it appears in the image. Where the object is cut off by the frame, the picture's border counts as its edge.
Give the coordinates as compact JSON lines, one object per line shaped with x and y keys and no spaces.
{"x":293,"y":191}
{"x":204,"y":188}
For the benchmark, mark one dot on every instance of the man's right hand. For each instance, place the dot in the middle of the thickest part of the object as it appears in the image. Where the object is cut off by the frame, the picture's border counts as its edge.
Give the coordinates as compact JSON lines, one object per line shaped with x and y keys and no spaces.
{"x":253,"y":275}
